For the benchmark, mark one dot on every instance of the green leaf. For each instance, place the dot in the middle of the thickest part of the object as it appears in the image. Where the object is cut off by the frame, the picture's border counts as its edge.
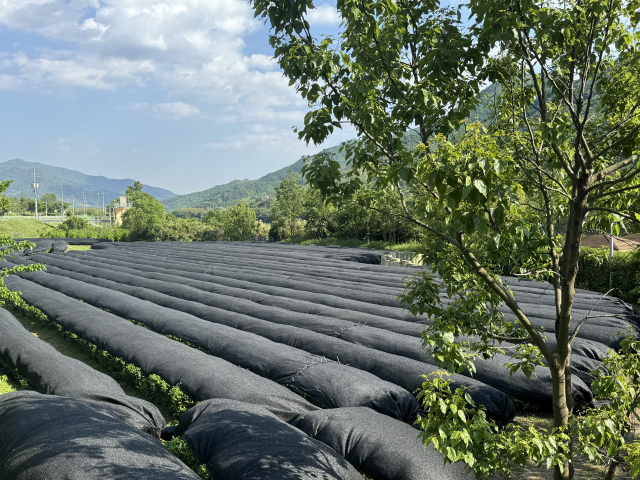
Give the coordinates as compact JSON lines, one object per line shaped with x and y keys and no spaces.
{"x":482,"y":188}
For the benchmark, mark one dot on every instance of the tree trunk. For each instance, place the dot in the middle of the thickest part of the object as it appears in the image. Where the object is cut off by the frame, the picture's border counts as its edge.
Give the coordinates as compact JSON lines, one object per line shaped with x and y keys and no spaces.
{"x":560,"y":407}
{"x":563,"y":402}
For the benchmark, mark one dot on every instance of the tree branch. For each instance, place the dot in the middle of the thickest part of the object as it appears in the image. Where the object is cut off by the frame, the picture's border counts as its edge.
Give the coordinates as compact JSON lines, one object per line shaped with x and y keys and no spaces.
{"x":611,"y":210}
{"x":613,"y":192}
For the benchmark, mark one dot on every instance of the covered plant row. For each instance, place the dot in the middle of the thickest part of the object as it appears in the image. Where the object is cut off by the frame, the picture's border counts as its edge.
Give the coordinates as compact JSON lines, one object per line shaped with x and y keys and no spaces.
{"x":299,"y":354}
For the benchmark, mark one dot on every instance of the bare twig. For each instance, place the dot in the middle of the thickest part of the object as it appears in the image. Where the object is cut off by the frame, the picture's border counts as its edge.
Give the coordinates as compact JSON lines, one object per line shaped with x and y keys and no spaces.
{"x":575,"y":332}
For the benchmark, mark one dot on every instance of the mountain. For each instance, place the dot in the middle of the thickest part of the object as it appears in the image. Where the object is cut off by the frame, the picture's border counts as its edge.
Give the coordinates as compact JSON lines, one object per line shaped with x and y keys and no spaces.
{"x":50,"y":179}
{"x":232,"y":192}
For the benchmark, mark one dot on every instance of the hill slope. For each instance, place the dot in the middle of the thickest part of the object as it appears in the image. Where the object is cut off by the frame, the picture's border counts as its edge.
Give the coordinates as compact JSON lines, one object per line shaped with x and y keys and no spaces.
{"x":232,"y":192}
{"x":74,"y":182}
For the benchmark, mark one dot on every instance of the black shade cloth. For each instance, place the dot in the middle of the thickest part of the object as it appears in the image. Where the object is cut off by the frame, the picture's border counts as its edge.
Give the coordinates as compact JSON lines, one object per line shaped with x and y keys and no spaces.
{"x":330,"y":383}
{"x":53,"y":438}
{"x":378,"y":446}
{"x":536,"y":389}
{"x":50,"y":372}
{"x":240,"y":441}
{"x":402,"y":371}
{"x":199,"y":375}
{"x":277,"y":287}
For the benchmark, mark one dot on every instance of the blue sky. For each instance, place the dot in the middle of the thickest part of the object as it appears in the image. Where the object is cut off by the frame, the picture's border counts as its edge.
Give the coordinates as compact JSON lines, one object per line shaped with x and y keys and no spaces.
{"x":179,"y":94}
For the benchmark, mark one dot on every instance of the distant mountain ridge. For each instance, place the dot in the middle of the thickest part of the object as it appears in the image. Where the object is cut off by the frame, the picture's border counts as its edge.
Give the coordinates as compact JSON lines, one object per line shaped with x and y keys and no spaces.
{"x":74,"y":182}
{"x":232,"y":192}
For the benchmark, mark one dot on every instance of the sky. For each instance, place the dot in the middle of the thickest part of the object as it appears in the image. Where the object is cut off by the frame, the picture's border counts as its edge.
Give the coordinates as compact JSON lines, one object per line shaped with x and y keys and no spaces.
{"x":179,"y":94}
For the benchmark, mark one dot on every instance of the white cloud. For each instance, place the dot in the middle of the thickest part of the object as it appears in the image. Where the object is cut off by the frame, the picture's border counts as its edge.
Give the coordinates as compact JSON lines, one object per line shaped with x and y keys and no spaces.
{"x":324,"y":15}
{"x":192,"y":47}
{"x":171,"y":109}
{"x":53,"y":70}
{"x":176,"y":49}
{"x":224,"y":145}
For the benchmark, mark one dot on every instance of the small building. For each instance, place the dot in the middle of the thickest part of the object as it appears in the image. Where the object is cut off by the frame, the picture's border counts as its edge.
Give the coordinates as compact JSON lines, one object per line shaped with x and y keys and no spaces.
{"x":121,"y":205}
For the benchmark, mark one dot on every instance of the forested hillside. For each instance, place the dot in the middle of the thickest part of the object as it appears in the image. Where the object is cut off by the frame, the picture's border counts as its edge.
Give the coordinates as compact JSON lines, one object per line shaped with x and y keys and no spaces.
{"x":249,"y":190}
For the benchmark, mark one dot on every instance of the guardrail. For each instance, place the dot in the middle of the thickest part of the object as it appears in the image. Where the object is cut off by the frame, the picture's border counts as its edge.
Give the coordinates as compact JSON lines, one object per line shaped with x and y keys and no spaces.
{"x":45,"y":218}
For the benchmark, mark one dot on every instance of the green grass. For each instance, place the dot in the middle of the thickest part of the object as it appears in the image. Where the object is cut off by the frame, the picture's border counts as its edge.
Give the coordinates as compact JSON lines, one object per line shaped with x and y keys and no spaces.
{"x":9,"y":382}
{"x":171,"y":401}
{"x":24,"y":228}
{"x":378,"y":245}
{"x":79,"y":247}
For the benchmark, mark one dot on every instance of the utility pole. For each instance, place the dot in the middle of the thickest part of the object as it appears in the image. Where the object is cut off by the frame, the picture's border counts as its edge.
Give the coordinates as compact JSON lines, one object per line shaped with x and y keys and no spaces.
{"x":35,"y":186}
{"x":62,"y":202}
{"x":103,"y":211}
{"x":611,"y":255}
{"x":84,"y":203}
{"x":73,"y":205}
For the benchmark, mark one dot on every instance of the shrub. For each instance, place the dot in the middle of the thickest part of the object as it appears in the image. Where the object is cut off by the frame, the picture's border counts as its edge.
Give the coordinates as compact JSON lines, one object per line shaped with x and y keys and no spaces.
{"x":625,"y":268}
{"x":74,"y":223}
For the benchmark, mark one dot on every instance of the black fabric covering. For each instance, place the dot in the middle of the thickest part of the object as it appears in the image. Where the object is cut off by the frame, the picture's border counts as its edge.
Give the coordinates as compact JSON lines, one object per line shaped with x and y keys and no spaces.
{"x":200,"y":376}
{"x":282,"y":298}
{"x":268,"y":282}
{"x":59,"y":246}
{"x":492,"y":372}
{"x":401,"y":371}
{"x":386,"y":282}
{"x":54,"y":438}
{"x":277,"y":287}
{"x":69,"y":241}
{"x":241,"y":441}
{"x":42,"y":246}
{"x":377,"y":445}
{"x":329,"y":383}
{"x":50,"y":372}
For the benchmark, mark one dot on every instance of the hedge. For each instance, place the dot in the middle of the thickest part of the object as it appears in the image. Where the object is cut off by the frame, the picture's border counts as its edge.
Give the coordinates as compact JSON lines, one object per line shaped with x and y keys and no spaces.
{"x":594,"y":273}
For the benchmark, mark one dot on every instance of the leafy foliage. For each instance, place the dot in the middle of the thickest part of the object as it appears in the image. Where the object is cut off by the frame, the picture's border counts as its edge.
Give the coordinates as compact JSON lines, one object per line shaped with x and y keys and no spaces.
{"x":145,"y":216}
{"x":594,"y":273}
{"x":181,"y":450}
{"x":235,"y":223}
{"x":75,"y":223}
{"x":288,"y":207}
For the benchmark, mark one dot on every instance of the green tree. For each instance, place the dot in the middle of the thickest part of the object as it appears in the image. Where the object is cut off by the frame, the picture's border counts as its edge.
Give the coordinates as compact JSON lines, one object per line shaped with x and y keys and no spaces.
{"x":319,"y":215}
{"x":216,"y":218}
{"x":240,"y":222}
{"x":561,"y":151}
{"x":74,"y":222}
{"x":144,"y":217}
{"x":289,"y":205}
{"x":134,"y":190}
{"x":5,"y":202}
{"x":235,"y":223}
